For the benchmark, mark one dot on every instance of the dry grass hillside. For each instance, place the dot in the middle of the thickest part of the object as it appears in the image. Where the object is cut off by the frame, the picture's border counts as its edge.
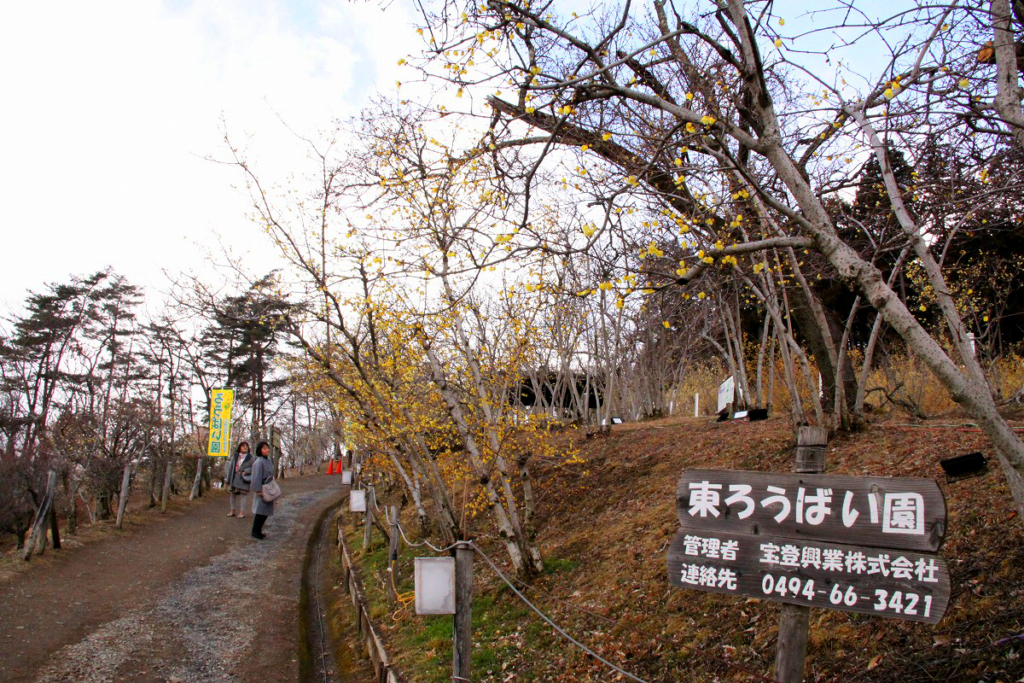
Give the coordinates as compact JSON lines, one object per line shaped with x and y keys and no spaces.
{"x":606,"y":526}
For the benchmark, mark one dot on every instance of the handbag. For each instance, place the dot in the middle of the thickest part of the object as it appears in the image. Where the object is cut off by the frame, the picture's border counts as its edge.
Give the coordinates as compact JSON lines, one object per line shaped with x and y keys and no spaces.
{"x":271,"y":491}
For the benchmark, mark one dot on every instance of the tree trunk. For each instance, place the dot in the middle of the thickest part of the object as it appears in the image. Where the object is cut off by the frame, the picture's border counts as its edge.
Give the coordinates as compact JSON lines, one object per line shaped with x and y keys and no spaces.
{"x":122,"y":504}
{"x":39,"y":523}
{"x":166,"y":492}
{"x":197,"y":483}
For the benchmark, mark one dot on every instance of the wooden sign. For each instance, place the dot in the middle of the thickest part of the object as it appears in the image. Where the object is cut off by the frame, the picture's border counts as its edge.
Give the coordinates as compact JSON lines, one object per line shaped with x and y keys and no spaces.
{"x":888,"y":512}
{"x":899,"y":584}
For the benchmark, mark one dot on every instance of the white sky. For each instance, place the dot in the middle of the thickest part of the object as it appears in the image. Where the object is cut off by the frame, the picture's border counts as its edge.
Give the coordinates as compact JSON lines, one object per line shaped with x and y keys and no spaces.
{"x":109,"y":106}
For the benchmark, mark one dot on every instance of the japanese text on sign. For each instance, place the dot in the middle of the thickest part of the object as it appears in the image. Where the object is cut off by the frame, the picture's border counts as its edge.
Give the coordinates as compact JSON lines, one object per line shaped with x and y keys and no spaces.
{"x":905,"y":585}
{"x":221,"y":403}
{"x":889,"y":512}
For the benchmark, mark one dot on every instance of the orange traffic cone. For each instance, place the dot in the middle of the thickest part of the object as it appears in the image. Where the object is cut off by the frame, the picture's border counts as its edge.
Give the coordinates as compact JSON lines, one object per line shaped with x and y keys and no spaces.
{"x":330,"y":467}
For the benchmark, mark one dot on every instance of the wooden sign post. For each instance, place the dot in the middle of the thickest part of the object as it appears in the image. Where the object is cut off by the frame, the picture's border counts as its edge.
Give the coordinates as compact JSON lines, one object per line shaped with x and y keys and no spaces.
{"x":392,"y":553}
{"x":795,"y":620}
{"x":859,"y":544}
{"x":371,"y":500}
{"x":462,"y":644}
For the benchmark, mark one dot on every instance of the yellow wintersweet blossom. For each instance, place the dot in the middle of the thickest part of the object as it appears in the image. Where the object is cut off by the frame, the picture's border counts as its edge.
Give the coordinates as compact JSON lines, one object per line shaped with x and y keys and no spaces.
{"x":619,"y":303}
{"x":665,"y":324}
{"x":778,"y":42}
{"x":964,"y":83}
{"x":701,"y":295}
{"x":632,"y":181}
{"x":690,"y":128}
{"x":589,"y":229}
{"x":606,"y":137}
{"x":530,"y":110}
{"x":889,"y":94}
{"x":605,"y":286}
{"x":689,"y":95}
{"x":707,"y":120}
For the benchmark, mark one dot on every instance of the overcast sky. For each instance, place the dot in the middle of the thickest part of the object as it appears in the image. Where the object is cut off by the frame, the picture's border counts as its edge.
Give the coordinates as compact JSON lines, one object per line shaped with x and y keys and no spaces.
{"x":108,"y":108}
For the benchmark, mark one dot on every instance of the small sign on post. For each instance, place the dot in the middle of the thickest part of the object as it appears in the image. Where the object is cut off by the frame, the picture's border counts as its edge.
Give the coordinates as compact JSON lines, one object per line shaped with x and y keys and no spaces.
{"x":434,"y":578}
{"x":357,"y":500}
{"x":346,"y":477}
{"x":725,"y":392}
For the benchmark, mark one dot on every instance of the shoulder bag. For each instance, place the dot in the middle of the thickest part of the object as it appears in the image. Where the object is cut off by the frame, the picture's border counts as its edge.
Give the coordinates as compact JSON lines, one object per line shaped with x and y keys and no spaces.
{"x":271,"y":491}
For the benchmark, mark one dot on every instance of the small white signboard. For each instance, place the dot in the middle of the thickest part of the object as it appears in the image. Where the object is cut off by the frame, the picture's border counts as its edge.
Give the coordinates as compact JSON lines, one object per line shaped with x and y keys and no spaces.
{"x":346,"y":477}
{"x":435,"y":585}
{"x":725,"y":392}
{"x":357,"y":501}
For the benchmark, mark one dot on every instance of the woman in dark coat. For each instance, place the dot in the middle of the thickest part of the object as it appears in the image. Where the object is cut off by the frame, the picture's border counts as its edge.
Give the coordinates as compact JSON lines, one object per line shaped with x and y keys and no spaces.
{"x":238,"y":473}
{"x":262,"y":474}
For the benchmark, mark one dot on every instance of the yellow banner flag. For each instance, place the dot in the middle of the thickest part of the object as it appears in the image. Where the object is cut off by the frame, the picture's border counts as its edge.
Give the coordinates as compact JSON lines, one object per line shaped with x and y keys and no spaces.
{"x":221,"y":403}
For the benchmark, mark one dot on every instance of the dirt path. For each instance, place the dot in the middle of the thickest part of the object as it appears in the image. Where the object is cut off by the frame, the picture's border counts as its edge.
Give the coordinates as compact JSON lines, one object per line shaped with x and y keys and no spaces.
{"x":179,"y":600}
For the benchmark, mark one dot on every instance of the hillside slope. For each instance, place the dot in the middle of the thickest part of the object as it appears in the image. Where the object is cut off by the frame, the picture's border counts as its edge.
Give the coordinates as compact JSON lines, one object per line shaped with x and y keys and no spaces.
{"x":605,"y":529}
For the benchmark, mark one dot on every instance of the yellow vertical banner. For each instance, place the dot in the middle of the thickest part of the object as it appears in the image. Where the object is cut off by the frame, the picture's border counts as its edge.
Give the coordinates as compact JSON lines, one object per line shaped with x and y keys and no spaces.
{"x":221,"y":402}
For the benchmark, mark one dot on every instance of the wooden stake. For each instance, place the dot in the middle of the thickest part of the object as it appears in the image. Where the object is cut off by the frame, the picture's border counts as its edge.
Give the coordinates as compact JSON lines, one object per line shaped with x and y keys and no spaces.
{"x":392,"y":554}
{"x":368,"y":527}
{"x":794,"y":622}
{"x":462,"y":644}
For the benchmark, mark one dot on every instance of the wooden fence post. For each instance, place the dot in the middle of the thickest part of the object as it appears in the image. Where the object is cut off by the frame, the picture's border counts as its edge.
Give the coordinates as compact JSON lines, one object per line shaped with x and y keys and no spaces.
{"x":368,"y":528}
{"x":392,"y":553}
{"x":794,"y":621}
{"x":462,"y":644}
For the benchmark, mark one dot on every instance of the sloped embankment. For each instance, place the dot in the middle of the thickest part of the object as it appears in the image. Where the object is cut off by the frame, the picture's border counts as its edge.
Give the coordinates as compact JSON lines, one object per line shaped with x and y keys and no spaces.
{"x":606,"y":526}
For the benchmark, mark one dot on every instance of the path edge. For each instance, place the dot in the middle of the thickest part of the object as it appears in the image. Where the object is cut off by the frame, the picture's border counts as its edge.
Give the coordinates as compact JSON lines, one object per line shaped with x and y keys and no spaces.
{"x":386,"y":671}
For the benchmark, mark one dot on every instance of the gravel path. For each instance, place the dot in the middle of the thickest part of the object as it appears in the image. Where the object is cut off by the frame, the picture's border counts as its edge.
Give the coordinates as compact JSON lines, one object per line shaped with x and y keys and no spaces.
{"x":144,"y":621}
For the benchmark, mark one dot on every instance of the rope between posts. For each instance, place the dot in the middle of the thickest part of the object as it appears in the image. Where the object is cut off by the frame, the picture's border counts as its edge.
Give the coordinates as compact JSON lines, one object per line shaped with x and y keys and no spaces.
{"x":551,"y":623}
{"x":409,"y":597}
{"x":423,"y":542}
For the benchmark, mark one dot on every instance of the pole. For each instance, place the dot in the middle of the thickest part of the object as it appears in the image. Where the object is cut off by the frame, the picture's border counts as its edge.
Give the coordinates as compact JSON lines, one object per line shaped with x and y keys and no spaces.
{"x":392,"y":553}
{"x":367,"y":530}
{"x":794,"y":621}
{"x":462,"y":643}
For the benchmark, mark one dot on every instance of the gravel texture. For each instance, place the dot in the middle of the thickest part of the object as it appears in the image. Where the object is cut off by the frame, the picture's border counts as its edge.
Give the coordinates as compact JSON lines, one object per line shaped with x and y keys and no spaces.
{"x":201,"y":625}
